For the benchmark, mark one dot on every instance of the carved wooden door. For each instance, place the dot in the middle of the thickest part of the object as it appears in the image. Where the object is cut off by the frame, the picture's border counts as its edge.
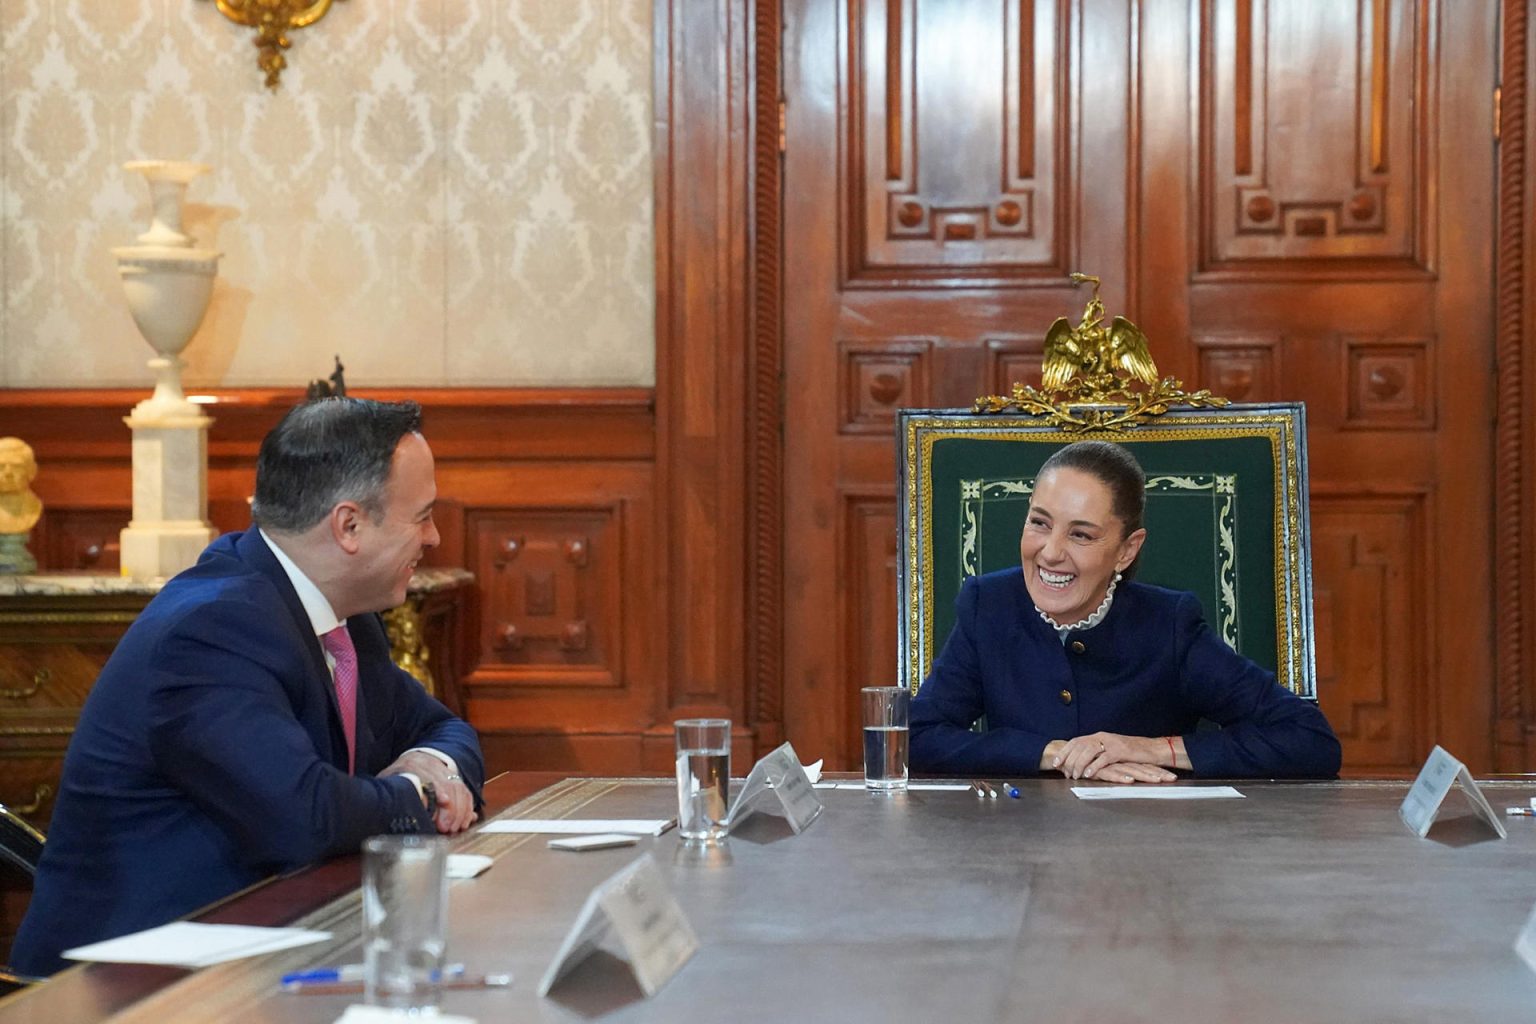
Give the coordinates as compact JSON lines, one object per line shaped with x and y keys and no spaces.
{"x":1293,"y":200}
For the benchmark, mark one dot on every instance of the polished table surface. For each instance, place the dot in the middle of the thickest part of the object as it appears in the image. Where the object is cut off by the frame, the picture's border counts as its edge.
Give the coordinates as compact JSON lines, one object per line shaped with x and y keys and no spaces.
{"x":1301,"y":902}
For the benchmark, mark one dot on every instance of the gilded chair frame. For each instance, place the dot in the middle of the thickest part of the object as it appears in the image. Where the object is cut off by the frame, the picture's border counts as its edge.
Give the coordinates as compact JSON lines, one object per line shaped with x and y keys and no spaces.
{"x":921,"y":434}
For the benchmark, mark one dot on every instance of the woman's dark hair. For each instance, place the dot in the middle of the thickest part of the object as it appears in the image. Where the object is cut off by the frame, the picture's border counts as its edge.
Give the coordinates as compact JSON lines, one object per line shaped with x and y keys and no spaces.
{"x":328,"y":451}
{"x":1114,"y":467}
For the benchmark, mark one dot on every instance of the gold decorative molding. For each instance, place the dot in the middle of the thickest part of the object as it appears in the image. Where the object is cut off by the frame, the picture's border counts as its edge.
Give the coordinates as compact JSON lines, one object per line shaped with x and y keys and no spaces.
{"x":1097,"y":378}
{"x":272,"y":20}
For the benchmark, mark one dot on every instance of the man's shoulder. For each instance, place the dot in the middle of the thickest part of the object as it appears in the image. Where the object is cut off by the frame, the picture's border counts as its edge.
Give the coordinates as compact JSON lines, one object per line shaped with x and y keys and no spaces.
{"x":224,"y":581}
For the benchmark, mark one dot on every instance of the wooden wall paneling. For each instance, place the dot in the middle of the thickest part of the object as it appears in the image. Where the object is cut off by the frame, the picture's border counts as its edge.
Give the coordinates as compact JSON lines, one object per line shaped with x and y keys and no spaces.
{"x":703,"y":167}
{"x":1016,"y":359}
{"x":878,"y":377}
{"x":909,"y":207}
{"x":566,"y":666}
{"x":1515,"y":461}
{"x":1242,"y":367}
{"x":1362,"y":191}
{"x":869,"y":525}
{"x":765,"y":422}
{"x":1368,"y":557}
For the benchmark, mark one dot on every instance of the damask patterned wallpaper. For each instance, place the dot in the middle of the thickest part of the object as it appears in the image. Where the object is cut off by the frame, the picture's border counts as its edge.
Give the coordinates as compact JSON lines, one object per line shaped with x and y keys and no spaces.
{"x":446,"y":192}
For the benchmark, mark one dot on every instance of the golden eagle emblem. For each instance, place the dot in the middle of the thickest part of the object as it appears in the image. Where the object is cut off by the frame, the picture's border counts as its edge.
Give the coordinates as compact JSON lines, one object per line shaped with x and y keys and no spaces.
{"x":1091,"y":349}
{"x":1097,"y":378}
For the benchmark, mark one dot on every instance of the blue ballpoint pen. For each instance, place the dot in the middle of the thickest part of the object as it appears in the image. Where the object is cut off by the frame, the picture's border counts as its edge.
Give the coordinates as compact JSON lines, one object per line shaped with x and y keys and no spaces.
{"x":346,"y":972}
{"x":1011,"y":790}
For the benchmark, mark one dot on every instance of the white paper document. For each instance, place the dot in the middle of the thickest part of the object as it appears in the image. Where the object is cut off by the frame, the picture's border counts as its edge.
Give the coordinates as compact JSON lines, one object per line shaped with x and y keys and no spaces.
{"x":467,"y":865}
{"x":357,"y":1013}
{"x":1157,"y":792}
{"x":185,"y":944}
{"x":582,"y":826}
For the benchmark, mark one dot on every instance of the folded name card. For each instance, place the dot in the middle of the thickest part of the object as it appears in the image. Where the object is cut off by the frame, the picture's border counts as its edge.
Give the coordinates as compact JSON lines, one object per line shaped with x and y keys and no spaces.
{"x":1440,"y":772}
{"x":778,"y":781}
{"x":636,"y":907}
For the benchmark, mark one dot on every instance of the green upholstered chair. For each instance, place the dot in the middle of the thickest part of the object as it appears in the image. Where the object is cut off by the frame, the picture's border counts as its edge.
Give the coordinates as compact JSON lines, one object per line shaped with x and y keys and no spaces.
{"x":1226,"y":519}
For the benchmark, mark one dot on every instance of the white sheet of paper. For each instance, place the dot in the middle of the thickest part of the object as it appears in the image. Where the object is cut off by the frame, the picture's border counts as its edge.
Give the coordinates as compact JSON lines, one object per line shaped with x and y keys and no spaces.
{"x":1157,"y":792}
{"x":186,"y":944}
{"x":357,"y":1013}
{"x":467,"y":865}
{"x":813,"y":770}
{"x":582,"y":826}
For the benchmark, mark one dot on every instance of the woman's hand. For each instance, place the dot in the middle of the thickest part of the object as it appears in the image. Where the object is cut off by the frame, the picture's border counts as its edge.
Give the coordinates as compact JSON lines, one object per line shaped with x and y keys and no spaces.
{"x":1126,"y":772}
{"x":1087,"y":757}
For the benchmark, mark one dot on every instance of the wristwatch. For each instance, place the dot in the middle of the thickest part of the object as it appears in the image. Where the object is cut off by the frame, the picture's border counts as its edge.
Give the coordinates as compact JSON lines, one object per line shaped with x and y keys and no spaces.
{"x":429,"y":792}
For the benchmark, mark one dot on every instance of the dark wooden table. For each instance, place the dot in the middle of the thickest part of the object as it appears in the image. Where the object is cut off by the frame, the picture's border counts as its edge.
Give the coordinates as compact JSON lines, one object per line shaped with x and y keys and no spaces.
{"x":1299,"y":903}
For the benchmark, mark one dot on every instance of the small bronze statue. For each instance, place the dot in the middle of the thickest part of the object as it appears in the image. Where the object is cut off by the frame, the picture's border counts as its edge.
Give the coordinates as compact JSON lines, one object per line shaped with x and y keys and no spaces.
{"x":336,"y":387}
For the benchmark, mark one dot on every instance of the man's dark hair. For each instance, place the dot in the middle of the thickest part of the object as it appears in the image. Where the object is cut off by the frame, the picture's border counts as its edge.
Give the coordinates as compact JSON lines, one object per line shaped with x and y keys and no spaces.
{"x":1114,"y":467}
{"x":328,"y":451}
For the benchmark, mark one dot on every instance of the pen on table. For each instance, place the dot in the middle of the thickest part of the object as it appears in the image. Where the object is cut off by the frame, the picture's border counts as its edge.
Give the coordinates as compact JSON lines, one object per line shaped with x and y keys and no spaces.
{"x":336,"y":988}
{"x":1010,"y":789}
{"x":1520,"y":812}
{"x":346,"y":972}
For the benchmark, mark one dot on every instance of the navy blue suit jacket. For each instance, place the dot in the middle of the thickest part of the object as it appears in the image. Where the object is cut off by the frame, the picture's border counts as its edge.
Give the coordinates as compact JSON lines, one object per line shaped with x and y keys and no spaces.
{"x":1152,"y":667}
{"x":210,"y":755}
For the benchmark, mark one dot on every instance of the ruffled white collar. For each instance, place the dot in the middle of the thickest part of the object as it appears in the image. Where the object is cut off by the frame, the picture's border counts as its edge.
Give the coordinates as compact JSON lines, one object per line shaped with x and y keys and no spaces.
{"x":1092,"y":620}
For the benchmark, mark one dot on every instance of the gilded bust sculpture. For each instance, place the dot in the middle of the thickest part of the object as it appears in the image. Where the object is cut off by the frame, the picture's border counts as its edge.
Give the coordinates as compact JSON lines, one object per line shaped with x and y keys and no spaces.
{"x":19,"y":507}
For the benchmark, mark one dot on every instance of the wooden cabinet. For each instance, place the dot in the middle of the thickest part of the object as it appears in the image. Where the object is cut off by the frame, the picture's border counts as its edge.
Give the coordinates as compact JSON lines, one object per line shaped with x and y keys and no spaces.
{"x":56,"y":632}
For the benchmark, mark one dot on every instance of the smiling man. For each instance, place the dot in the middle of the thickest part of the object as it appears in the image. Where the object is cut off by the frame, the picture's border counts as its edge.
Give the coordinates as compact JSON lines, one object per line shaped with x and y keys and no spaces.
{"x":250,"y":721}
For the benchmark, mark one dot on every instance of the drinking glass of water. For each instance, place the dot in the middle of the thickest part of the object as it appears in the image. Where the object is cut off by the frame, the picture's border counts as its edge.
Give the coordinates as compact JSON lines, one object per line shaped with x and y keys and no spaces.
{"x":885,"y":736}
{"x":703,"y":776}
{"x":405,"y":914}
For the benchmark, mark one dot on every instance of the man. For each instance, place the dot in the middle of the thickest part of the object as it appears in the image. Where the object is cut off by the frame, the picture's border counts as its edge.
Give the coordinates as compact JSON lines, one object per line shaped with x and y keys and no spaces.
{"x":250,"y":720}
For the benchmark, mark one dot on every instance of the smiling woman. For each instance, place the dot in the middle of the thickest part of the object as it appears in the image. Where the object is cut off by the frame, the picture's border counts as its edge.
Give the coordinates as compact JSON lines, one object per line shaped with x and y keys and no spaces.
{"x":1079,"y":670}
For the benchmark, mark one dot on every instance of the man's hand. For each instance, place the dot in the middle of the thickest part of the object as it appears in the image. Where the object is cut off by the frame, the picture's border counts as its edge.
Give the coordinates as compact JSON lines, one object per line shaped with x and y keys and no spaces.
{"x":455,"y":803}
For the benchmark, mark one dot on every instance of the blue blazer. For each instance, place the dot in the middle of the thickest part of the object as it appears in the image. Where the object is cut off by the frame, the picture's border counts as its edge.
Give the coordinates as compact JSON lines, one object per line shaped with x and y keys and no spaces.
{"x":210,"y":755}
{"x":1152,"y":667}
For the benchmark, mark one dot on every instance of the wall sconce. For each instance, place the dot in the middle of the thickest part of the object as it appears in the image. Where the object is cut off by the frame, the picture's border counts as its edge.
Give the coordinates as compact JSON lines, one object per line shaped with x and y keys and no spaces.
{"x":272,"y":19}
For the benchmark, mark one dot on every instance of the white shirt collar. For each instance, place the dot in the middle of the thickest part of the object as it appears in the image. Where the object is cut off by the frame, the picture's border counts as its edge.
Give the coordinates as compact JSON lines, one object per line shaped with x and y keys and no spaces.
{"x":321,"y":615}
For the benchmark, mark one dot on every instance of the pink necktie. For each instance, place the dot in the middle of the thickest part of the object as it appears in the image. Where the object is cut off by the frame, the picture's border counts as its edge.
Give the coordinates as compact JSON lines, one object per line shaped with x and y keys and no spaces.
{"x":338,"y":643}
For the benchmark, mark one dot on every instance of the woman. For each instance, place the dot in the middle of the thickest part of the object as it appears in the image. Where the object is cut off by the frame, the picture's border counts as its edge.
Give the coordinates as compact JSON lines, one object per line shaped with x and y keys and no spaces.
{"x":1081,"y":671}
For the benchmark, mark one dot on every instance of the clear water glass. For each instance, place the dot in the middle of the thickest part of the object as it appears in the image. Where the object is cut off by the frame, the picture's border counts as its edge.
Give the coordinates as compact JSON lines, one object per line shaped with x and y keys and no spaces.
{"x":885,"y":736}
{"x":703,"y":777}
{"x":405,"y":921}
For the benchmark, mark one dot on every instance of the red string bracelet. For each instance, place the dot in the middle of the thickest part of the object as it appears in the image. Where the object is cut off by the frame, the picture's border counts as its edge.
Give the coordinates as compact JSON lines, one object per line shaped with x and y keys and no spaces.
{"x":1171,"y":752}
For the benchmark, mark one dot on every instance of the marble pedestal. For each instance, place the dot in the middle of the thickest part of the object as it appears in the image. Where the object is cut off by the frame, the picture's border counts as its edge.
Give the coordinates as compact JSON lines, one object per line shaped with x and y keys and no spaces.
{"x":170,"y":524}
{"x":14,"y":556}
